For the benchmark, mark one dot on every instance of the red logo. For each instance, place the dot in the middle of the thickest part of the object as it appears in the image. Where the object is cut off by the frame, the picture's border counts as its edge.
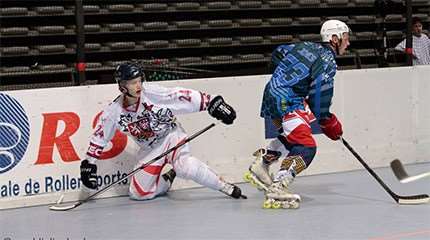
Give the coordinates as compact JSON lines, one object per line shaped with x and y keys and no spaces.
{"x":141,"y":129}
{"x":52,"y":140}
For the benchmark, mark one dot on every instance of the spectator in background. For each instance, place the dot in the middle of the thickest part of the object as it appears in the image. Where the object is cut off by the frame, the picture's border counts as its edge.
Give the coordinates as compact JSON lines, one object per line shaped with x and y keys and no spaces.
{"x":420,"y":44}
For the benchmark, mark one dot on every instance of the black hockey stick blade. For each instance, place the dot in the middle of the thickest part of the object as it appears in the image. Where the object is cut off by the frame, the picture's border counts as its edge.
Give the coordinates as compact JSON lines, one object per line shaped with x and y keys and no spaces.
{"x":414,"y":199}
{"x":401,"y":174}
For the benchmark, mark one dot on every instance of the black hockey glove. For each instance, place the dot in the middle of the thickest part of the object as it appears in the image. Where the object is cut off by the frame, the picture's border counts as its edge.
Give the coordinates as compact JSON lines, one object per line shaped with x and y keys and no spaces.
{"x":89,"y":174}
{"x":221,"y":110}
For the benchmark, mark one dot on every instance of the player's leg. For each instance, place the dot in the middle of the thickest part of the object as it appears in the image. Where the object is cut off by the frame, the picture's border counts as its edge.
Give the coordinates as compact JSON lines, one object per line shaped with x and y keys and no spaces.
{"x":259,"y":173}
{"x":155,"y":179}
{"x":148,"y":183}
{"x":297,"y":138}
{"x":189,"y":167}
{"x":272,"y":107}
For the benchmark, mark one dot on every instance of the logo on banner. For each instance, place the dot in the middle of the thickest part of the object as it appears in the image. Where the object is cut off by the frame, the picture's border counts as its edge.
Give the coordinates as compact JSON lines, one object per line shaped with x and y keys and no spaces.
{"x":14,"y":132}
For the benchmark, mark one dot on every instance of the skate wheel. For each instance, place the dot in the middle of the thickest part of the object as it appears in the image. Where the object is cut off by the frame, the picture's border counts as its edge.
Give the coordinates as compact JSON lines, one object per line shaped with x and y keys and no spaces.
{"x":276,"y":205}
{"x":254,"y":184}
{"x":267,"y":204}
{"x":294,"y":205}
{"x":247,"y":177}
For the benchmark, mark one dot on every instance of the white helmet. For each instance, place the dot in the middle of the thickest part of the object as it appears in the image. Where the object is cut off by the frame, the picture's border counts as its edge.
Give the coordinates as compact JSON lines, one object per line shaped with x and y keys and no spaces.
{"x":333,"y":27}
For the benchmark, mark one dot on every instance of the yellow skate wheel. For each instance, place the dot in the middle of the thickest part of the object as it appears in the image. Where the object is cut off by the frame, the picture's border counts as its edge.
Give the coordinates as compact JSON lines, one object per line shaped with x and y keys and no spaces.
{"x":247,"y":177}
{"x":253,"y":183}
{"x":276,"y":205}
{"x":267,"y":204}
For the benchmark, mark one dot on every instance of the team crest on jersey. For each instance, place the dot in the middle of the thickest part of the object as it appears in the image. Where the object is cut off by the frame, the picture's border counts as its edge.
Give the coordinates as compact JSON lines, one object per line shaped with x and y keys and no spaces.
{"x":141,"y":129}
{"x":149,"y":125}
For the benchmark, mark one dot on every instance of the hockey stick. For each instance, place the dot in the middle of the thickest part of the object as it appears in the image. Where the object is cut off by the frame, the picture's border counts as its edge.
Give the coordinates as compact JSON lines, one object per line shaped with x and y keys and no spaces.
{"x":401,"y":173}
{"x":414,"y":199}
{"x":65,"y":206}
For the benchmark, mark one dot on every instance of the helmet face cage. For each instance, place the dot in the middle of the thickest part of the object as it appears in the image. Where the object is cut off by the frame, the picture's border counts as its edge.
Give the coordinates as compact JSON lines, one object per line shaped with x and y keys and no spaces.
{"x":333,"y":27}
{"x":128,"y":71}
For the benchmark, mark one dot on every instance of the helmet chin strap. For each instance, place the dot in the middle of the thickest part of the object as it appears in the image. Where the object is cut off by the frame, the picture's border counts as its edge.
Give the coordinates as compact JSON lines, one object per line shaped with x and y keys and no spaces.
{"x":336,"y":46}
{"x":126,"y":92}
{"x":129,"y":95}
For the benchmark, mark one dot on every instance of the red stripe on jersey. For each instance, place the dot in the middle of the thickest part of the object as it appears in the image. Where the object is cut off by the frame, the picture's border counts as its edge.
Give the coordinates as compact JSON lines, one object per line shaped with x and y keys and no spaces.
{"x":201,"y":101}
{"x":153,"y":169}
{"x":302,"y":134}
{"x":174,"y":152}
{"x":204,"y":101}
{"x":138,"y":188}
{"x":94,"y":150}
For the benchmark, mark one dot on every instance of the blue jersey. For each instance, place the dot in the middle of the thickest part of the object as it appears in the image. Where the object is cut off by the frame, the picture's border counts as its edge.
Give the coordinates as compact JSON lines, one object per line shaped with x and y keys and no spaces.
{"x":304,"y":71}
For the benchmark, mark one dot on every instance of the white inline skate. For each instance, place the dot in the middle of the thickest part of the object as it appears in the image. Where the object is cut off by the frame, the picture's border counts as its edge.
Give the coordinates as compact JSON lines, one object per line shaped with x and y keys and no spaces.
{"x":258,"y":174}
{"x":278,"y":196}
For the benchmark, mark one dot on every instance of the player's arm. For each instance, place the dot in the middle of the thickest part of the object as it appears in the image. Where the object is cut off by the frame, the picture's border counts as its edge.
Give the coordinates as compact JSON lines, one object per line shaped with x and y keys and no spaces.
{"x":104,"y":132}
{"x":184,"y":100}
{"x":320,"y":103}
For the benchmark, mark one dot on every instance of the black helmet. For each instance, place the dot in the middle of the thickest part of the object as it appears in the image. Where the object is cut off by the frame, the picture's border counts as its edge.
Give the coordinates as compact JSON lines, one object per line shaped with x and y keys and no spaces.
{"x":127,"y":71}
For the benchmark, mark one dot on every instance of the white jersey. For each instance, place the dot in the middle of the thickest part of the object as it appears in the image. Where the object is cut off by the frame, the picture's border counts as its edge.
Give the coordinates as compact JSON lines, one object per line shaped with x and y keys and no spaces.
{"x":148,"y":121}
{"x":420,"y":49}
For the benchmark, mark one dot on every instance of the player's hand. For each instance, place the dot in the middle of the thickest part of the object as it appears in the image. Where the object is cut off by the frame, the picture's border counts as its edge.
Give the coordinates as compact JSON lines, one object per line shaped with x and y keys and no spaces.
{"x":89,"y":174}
{"x":221,"y":110}
{"x":331,"y":127}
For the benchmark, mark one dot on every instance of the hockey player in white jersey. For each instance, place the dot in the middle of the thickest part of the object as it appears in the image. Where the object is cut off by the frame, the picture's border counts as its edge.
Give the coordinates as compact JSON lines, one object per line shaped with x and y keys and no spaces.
{"x":146,"y":113}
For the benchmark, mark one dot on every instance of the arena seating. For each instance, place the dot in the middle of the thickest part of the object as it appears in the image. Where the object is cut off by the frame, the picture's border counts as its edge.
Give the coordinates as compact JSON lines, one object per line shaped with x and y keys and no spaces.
{"x":38,"y":38}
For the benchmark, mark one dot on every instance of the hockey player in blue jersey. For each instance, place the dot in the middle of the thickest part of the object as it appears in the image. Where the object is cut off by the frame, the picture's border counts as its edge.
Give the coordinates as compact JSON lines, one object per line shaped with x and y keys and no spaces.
{"x":299,"y":92}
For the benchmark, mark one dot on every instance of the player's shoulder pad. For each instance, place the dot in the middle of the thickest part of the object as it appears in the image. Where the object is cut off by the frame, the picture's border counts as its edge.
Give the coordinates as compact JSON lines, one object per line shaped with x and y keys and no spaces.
{"x":113,"y":108}
{"x":156,"y":90}
{"x":285,"y":48}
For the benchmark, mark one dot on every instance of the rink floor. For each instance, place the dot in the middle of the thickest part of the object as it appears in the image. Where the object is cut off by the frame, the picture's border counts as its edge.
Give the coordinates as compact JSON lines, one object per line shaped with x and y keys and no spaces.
{"x":348,"y":205}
